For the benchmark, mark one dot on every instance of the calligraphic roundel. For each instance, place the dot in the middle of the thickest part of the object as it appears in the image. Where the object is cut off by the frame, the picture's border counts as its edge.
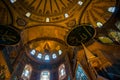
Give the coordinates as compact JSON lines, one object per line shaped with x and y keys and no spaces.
{"x":8,"y":35}
{"x":80,"y":34}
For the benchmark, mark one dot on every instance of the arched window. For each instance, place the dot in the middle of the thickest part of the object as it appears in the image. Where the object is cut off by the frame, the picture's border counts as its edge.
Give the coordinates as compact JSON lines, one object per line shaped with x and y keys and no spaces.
{"x":66,"y":15}
{"x":47,"y":19}
{"x":32,"y":52}
{"x":26,"y":72}
{"x":60,"y":52}
{"x":111,"y":9}
{"x":54,"y":56}
{"x":80,"y":74}
{"x":62,"y":72}
{"x":39,"y":55}
{"x":105,"y":39}
{"x":99,"y":24}
{"x":12,"y":1}
{"x":47,"y":57}
{"x":45,"y":75}
{"x":28,"y":14}
{"x":80,"y":2}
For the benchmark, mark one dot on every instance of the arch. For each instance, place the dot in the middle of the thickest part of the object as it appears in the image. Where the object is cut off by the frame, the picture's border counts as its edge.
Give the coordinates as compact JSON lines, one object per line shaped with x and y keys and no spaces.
{"x":54,"y":56}
{"x":32,"y":52}
{"x":47,"y":57}
{"x":62,"y":72}
{"x":45,"y":75}
{"x":26,"y":72}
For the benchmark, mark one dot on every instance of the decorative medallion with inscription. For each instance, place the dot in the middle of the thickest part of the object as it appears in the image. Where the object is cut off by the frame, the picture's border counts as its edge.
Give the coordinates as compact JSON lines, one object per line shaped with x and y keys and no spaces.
{"x":8,"y":35}
{"x":80,"y":34}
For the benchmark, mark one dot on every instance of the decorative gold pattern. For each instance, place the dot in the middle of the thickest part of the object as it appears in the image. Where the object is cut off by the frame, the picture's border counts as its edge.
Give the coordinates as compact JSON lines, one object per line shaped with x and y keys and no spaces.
{"x":97,"y":11}
{"x":5,"y":17}
{"x":42,"y":9}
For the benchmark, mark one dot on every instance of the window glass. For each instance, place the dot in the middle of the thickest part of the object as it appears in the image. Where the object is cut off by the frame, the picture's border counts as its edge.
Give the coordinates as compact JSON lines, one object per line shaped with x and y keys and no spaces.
{"x":60,"y":52}
{"x":66,"y":15}
{"x":33,"y":52}
{"x":26,"y":72}
{"x":28,"y":14}
{"x":62,"y":72}
{"x":80,"y":74}
{"x":39,"y":55}
{"x":54,"y":56}
{"x":47,"y":57}
{"x":80,"y":2}
{"x":45,"y":75}
{"x":47,"y":20}
{"x":111,"y":9}
{"x":12,"y":1}
{"x":99,"y":24}
{"x":104,"y":39}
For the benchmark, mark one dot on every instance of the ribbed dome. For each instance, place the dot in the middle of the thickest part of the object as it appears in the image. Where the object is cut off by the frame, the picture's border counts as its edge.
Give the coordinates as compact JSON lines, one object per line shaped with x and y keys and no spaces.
{"x":48,"y":7}
{"x":39,"y":10}
{"x":98,"y":12}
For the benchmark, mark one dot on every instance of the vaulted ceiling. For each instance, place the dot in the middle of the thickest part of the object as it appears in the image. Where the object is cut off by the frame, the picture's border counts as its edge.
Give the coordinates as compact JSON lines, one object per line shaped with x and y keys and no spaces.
{"x":45,"y":21}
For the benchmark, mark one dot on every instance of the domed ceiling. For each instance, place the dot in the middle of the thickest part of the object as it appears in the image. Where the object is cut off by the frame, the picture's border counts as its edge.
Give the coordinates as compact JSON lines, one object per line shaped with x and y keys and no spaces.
{"x":48,"y":7}
{"x":39,"y":10}
{"x":90,"y":11}
{"x":55,"y":18}
{"x":98,"y":11}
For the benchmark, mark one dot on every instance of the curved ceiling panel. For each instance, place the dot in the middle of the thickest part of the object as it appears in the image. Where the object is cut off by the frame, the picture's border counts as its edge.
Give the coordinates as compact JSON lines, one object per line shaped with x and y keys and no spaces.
{"x":45,"y":10}
{"x":98,"y":12}
{"x":46,"y":50}
{"x":48,"y":7}
{"x":46,"y":44}
{"x":5,"y":14}
{"x":40,"y":32}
